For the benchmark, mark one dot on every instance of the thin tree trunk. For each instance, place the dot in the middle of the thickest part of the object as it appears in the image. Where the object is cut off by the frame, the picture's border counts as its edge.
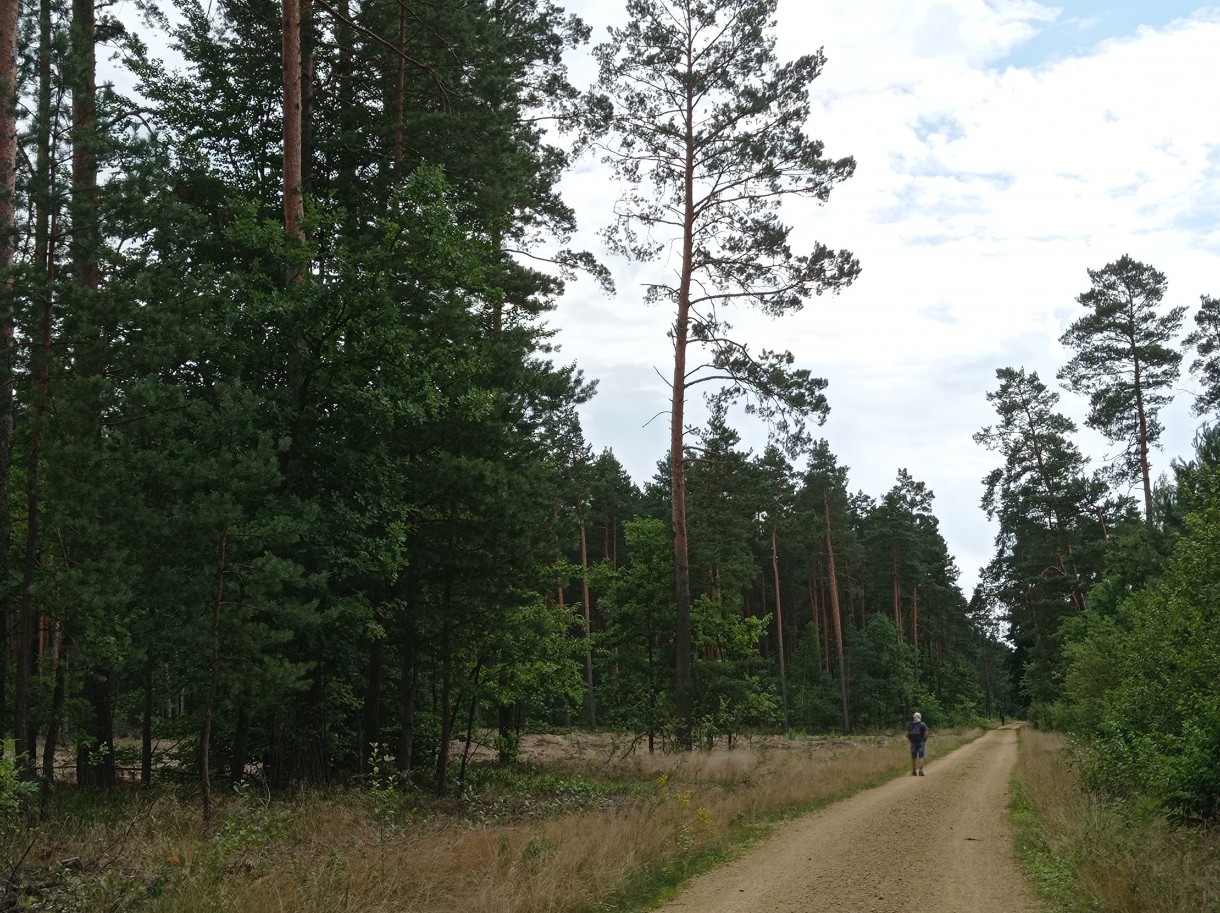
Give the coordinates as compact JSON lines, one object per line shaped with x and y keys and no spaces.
{"x":446,"y":702}
{"x":504,"y":727}
{"x":209,"y":707}
{"x":779,"y":627}
{"x":307,"y":94}
{"x":10,"y":13}
{"x":834,"y":613}
{"x":408,"y":691}
{"x":474,"y":707}
{"x":590,"y":697}
{"x":146,"y":718}
{"x":1145,"y":467}
{"x":371,"y":729}
{"x":683,"y":646}
{"x":817,"y":623}
{"x":896,"y":591}
{"x":85,"y":233}
{"x":400,"y":83}
{"x":294,"y":201}
{"x":51,"y":745}
{"x":26,"y":617}
{"x":652,"y":694}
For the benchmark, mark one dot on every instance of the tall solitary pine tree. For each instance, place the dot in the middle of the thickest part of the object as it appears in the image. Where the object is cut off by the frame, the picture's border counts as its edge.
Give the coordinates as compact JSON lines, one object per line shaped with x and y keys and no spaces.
{"x":1125,"y":362}
{"x":709,"y":134}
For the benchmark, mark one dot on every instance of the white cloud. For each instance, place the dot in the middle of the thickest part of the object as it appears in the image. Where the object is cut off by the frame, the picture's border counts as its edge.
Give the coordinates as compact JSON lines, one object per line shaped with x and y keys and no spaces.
{"x":983,"y":193}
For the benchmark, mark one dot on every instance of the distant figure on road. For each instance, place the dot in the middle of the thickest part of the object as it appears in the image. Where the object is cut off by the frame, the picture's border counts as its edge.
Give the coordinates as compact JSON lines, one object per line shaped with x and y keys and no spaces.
{"x":917,"y":735}
{"x":1002,"y":720}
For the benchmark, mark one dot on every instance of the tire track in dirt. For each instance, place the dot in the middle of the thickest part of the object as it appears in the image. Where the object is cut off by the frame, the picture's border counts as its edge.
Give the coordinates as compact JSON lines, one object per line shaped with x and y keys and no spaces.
{"x":942,"y":843}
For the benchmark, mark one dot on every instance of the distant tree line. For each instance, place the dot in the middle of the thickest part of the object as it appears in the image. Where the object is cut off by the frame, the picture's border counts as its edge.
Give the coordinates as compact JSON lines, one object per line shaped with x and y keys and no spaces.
{"x":292,"y":478}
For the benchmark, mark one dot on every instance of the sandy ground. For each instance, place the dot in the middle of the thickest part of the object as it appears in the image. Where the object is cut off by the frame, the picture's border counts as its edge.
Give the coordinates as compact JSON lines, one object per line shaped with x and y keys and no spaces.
{"x":941,"y":843}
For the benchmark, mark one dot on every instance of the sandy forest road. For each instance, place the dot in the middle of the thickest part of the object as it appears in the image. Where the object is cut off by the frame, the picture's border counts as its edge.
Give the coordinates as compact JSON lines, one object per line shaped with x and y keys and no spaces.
{"x":939,"y":843}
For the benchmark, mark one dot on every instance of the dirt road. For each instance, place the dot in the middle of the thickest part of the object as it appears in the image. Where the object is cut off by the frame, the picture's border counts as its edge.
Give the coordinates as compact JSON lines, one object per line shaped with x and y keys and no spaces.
{"x":941,"y":843}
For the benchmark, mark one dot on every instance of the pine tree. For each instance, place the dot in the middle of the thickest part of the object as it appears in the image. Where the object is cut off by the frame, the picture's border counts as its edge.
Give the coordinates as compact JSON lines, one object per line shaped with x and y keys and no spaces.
{"x":710,"y":137}
{"x":1205,"y":338}
{"x":1125,"y":362}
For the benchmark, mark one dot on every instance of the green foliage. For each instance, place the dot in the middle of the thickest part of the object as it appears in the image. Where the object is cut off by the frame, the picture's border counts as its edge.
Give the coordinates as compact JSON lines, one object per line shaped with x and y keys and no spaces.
{"x":730,"y":694}
{"x":882,"y":675}
{"x":1142,"y":684}
{"x":16,"y":792}
{"x":395,"y":798}
{"x":1125,"y":361}
{"x":1205,"y":339}
{"x":349,"y":466}
{"x":638,"y":606}
{"x":815,"y":698}
{"x":1053,"y":521}
{"x":251,"y":825}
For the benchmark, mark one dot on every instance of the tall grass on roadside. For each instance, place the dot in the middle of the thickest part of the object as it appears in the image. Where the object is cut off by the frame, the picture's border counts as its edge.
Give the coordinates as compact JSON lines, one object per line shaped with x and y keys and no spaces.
{"x":1086,"y":854}
{"x":641,"y":825}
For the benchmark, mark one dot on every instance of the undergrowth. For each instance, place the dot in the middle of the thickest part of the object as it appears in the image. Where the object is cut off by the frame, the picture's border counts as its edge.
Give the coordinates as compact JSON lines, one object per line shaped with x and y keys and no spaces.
{"x":1085,"y":854}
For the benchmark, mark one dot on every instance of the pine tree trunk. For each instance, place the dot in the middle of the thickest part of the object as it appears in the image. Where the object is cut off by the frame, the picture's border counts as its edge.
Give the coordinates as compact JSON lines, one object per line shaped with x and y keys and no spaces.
{"x":1145,"y":468}
{"x":896,"y":591}
{"x":146,"y":722}
{"x":816,"y":620}
{"x":400,"y":92}
{"x":408,"y":690}
{"x":10,"y":12}
{"x":308,"y":64}
{"x":834,"y":614}
{"x":51,"y":745}
{"x":446,"y":703}
{"x":95,"y":758}
{"x":209,"y":707}
{"x":779,"y":627}
{"x":590,"y":697}
{"x":294,"y":205}
{"x":683,"y":646}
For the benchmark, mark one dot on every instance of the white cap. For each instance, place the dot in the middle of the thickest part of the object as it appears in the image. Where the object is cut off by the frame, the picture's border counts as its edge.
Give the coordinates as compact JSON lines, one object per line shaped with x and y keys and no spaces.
{"x":917,"y":716}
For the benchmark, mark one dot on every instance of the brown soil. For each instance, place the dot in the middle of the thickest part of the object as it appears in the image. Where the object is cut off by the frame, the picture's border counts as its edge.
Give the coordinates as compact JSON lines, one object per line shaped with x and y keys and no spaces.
{"x":941,"y":843}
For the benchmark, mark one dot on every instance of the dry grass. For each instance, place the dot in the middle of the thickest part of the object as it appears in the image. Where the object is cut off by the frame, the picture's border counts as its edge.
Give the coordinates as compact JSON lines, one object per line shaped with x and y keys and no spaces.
{"x":1090,"y":855}
{"x":340,"y":851}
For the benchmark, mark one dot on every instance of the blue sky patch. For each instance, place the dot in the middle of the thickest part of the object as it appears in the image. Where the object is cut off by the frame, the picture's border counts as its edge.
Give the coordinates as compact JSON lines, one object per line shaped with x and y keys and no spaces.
{"x":1083,"y":24}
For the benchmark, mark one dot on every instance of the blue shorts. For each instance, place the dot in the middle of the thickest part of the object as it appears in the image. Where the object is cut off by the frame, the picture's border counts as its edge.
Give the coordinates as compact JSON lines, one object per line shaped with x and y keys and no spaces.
{"x":917,"y":748}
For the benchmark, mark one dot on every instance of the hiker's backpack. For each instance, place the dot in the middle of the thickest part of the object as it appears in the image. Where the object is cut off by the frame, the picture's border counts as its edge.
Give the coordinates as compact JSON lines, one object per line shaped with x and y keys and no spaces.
{"x":915,"y":731}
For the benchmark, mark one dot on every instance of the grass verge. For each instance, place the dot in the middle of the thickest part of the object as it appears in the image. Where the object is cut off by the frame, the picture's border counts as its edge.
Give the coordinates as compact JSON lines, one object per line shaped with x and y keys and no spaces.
{"x":1085,"y":854}
{"x":576,"y":835}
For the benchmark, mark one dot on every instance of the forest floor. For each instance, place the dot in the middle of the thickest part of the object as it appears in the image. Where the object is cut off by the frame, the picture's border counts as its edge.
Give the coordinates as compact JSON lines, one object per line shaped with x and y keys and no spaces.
{"x":940,"y":842}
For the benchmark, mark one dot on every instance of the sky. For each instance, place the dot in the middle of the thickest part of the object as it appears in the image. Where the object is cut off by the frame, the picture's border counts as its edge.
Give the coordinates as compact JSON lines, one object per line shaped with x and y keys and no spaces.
{"x":1003,"y":149}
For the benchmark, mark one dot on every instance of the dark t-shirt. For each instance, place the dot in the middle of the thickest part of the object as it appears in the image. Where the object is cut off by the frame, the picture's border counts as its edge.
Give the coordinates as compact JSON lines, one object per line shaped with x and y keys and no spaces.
{"x":917,"y":732}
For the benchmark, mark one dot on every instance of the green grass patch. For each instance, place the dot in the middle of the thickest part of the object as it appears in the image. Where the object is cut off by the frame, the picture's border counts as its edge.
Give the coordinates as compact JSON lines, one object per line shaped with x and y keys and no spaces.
{"x":1050,"y":875}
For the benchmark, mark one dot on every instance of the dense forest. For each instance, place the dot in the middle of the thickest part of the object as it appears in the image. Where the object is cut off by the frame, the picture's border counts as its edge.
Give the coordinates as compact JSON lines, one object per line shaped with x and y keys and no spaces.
{"x":294,"y":481}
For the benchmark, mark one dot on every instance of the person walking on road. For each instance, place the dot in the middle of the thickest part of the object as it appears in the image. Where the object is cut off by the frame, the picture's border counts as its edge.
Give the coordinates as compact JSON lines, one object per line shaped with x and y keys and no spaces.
{"x":917,"y":735}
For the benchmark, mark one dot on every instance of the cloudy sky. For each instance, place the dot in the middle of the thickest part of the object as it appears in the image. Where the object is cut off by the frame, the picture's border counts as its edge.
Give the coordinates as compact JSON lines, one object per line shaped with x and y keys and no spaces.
{"x":1003,"y":148}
